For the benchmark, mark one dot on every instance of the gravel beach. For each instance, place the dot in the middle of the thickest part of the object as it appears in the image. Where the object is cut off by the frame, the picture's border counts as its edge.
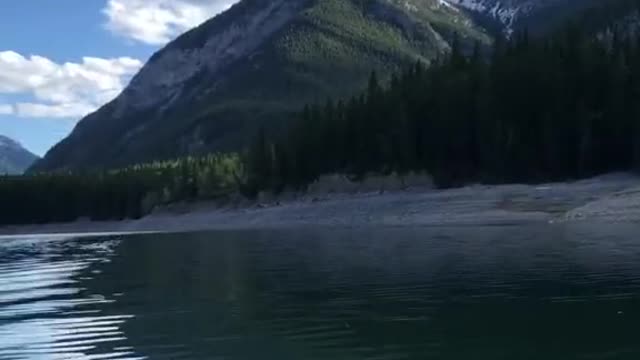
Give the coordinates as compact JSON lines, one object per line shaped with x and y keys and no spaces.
{"x":611,"y":198}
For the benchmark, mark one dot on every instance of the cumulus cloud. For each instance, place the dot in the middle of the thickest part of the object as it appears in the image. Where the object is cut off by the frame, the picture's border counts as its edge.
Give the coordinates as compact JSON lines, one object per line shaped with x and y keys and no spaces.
{"x":68,"y":90}
{"x":156,"y":22}
{"x":72,"y":90}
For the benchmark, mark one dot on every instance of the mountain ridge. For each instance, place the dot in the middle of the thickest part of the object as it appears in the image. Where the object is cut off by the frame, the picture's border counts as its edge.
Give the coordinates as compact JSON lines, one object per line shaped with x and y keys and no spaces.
{"x":211,"y":88}
{"x":510,"y":16}
{"x":258,"y":62}
{"x":14,"y":158}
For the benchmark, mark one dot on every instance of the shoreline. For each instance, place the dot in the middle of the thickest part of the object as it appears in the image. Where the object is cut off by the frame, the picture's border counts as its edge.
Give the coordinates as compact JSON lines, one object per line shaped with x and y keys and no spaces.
{"x":610,"y":198}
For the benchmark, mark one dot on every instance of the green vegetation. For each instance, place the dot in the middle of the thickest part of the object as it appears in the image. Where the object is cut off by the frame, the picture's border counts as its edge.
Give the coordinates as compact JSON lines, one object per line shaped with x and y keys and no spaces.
{"x":325,"y":48}
{"x":113,"y":195}
{"x":531,"y":109}
{"x":567,"y":106}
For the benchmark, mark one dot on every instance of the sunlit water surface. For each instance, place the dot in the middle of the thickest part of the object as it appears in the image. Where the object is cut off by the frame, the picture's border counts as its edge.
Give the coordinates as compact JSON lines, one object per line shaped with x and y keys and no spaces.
{"x":519,"y":292}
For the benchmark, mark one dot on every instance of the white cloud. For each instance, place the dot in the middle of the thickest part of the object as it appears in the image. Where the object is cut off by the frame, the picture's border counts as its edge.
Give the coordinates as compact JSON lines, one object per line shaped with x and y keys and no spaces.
{"x":69,"y":90}
{"x":156,"y":22}
{"x":68,"y":110}
{"x":6,"y":109}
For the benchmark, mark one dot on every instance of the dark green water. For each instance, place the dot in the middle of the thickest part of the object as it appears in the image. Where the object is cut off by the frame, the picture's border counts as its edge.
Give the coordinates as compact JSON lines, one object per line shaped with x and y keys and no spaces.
{"x":531,"y":292}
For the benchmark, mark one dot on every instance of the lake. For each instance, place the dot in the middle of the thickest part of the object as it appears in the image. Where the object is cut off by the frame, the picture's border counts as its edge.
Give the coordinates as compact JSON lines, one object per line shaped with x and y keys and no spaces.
{"x":513,"y":292}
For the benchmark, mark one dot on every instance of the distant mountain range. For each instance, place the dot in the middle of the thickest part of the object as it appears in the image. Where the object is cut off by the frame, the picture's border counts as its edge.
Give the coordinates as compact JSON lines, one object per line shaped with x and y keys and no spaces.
{"x":261,"y":60}
{"x":14,"y":159}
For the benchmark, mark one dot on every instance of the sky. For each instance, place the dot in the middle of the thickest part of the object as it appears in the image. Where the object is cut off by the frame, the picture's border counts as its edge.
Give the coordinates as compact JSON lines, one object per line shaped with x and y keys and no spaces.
{"x":61,"y":60}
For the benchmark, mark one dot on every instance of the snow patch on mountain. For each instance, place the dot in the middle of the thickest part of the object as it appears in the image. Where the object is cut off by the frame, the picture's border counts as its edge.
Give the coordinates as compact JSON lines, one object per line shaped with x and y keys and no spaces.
{"x":505,"y":11}
{"x":446,"y":4}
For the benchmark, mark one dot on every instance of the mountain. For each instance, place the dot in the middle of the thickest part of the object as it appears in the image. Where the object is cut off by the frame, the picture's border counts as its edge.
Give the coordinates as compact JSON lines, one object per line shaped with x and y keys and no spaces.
{"x":538,"y":16}
{"x":254,"y":65}
{"x":14,"y":159}
{"x":251,"y":66}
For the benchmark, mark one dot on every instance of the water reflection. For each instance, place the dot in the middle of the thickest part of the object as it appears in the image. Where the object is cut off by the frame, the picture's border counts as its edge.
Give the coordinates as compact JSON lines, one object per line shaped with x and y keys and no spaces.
{"x":45,"y":312}
{"x":533,"y":292}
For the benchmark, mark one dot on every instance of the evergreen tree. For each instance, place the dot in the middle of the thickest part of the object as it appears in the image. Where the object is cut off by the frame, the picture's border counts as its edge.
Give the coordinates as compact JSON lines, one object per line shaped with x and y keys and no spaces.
{"x":540,"y":109}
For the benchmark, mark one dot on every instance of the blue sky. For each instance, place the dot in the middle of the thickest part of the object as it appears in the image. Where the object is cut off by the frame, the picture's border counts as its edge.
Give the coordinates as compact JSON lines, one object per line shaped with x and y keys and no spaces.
{"x":60,"y":60}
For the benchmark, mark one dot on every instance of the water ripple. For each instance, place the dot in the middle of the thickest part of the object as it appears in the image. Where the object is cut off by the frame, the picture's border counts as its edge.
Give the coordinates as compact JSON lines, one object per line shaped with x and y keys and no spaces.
{"x":45,"y":313}
{"x":540,"y":292}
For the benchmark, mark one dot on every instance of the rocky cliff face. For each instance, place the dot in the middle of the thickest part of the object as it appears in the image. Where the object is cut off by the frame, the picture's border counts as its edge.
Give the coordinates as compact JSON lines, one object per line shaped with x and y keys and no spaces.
{"x":513,"y":15}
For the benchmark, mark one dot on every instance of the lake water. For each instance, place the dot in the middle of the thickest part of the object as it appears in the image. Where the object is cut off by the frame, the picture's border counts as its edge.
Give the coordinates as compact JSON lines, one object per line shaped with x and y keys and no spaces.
{"x":521,"y":292}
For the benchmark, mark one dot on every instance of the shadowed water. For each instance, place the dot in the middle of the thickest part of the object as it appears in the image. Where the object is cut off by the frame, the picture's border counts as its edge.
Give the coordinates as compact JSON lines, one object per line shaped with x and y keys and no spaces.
{"x":529,"y":292}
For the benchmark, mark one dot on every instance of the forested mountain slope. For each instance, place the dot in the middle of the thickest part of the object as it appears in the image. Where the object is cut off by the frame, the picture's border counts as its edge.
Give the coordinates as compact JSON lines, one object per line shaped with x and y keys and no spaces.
{"x":256,"y":64}
{"x":214,"y":86}
{"x":532,"y":109}
{"x":566,"y":106}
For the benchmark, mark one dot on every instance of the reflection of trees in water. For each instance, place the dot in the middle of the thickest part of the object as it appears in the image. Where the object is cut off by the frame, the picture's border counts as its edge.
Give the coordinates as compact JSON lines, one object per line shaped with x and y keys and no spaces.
{"x":188,"y":293}
{"x":360,"y":293}
{"x":283,"y":293}
{"x":247,"y":293}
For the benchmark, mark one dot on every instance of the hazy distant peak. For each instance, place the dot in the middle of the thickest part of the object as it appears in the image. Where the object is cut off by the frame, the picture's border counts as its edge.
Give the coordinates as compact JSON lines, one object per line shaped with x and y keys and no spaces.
{"x":14,"y":159}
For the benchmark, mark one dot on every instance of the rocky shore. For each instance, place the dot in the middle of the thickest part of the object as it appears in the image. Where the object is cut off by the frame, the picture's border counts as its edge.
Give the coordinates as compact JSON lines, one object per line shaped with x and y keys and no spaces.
{"x":611,"y":198}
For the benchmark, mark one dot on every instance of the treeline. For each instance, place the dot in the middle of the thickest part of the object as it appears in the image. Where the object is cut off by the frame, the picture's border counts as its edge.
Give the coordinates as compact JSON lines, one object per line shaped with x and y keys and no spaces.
{"x":118,"y":194}
{"x":567,"y":106}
